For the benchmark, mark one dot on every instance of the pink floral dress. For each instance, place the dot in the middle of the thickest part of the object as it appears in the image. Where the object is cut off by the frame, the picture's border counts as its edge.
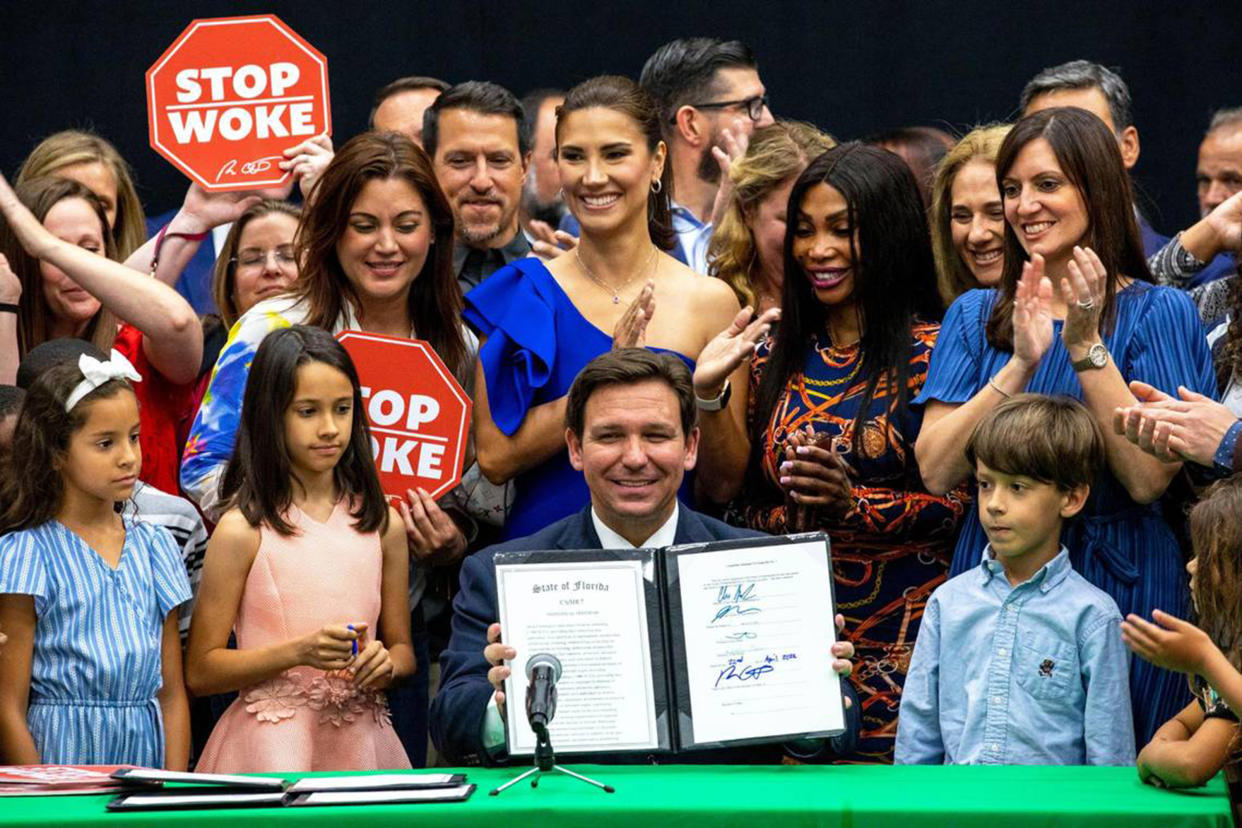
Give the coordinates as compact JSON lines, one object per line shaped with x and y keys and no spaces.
{"x":305,"y":719}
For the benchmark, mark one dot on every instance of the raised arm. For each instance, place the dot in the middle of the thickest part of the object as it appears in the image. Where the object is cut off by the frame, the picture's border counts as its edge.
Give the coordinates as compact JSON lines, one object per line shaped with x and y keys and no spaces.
{"x":10,"y":295}
{"x":725,"y":447}
{"x":172,"y":337}
{"x":947,"y":426}
{"x":1104,"y":390}
{"x":1194,"y":248}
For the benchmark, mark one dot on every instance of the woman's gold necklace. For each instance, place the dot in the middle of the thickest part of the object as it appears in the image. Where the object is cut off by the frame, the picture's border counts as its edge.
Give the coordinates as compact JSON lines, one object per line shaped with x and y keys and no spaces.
{"x":616,"y":293}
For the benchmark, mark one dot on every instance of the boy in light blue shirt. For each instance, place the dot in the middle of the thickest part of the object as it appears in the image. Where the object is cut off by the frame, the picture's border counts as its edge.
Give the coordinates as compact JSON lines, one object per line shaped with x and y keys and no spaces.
{"x":1020,"y":660}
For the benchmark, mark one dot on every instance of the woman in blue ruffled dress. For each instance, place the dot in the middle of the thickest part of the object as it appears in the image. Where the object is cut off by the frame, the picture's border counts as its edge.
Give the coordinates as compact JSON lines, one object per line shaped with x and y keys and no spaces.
{"x":540,"y":324}
{"x":1075,"y":313}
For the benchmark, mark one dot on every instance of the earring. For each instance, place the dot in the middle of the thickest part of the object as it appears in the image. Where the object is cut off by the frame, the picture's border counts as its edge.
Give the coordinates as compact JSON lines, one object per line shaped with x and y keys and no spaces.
{"x":656,"y":186}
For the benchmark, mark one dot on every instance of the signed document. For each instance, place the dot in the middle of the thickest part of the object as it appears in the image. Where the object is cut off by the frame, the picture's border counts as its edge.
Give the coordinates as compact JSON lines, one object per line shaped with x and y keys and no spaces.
{"x":685,"y":648}
{"x":593,"y":616}
{"x":754,"y":635}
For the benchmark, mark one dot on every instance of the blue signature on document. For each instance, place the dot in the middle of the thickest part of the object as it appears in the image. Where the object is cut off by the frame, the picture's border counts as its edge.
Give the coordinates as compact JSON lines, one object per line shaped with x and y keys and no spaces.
{"x":737,"y":671}
{"x":729,"y":600}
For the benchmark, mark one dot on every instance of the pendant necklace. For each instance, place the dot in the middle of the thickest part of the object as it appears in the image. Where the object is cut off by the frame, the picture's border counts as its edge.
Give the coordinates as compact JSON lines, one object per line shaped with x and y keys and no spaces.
{"x":616,"y":294}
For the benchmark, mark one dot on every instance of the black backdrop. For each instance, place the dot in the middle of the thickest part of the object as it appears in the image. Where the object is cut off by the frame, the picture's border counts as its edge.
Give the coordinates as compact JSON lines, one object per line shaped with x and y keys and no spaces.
{"x":853,"y":68}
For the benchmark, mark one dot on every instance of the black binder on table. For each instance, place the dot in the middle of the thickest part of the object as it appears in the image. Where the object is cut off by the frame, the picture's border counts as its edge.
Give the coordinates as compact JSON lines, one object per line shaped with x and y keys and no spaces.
{"x":663,"y":614}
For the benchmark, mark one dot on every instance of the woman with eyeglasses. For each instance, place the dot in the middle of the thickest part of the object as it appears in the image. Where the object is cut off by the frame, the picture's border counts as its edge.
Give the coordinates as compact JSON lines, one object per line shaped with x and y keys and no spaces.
{"x":256,"y":262}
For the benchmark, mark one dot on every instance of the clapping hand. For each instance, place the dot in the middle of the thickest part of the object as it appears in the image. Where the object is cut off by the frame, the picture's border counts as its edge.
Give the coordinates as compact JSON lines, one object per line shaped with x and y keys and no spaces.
{"x":1226,"y":222}
{"x":814,"y":476}
{"x":1190,"y":426}
{"x":729,"y":349}
{"x":1083,"y":292}
{"x":1032,"y":313}
{"x":631,"y":328}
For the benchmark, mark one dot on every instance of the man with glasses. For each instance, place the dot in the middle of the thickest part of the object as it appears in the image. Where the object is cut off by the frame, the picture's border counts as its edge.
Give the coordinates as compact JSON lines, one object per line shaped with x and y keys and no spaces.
{"x":710,"y":98}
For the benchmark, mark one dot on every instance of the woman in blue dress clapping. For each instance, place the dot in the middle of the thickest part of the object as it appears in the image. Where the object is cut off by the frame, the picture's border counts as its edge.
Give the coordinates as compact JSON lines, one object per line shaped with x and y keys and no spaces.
{"x":1075,"y":313}
{"x":539,"y":325}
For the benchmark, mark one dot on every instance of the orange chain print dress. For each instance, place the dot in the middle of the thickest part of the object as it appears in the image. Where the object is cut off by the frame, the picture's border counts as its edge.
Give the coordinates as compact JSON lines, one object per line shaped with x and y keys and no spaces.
{"x":893,"y":547}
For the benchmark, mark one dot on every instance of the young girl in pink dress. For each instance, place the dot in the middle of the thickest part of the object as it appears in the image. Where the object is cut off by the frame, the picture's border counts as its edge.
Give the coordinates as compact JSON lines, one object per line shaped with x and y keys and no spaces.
{"x":309,"y":567}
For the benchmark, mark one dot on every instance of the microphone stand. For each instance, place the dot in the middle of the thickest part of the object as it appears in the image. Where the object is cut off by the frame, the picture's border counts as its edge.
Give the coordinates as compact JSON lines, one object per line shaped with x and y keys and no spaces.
{"x":545,"y":762}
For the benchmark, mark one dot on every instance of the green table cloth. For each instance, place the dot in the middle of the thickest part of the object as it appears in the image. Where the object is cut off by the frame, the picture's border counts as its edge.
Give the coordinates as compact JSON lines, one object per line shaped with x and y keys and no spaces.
{"x":719,"y":796}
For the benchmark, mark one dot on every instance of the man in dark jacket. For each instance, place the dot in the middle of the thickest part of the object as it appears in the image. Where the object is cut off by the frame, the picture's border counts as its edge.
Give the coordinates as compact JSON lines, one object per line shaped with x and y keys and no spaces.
{"x":630,"y":426}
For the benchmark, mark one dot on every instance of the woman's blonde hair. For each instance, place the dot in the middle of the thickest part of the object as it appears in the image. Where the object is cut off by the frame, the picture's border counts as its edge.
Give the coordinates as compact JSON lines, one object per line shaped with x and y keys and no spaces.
{"x":952,"y":274}
{"x":72,"y":146}
{"x":777,"y":153}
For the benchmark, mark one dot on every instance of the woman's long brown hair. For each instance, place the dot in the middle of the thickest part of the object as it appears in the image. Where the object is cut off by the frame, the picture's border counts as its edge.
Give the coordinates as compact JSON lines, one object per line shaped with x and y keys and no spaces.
{"x":1088,"y":155}
{"x":435,"y":301}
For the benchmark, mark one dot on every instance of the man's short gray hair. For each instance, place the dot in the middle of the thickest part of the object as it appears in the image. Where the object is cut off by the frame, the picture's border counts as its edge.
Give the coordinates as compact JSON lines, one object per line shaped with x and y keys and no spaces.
{"x":1083,"y":74}
{"x":1227,"y":117}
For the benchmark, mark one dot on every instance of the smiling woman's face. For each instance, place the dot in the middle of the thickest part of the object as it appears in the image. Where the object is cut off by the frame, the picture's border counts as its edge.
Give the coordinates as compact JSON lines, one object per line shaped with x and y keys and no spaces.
{"x":824,"y":244}
{"x":606,"y":168}
{"x":386,"y":241}
{"x":977,"y":220}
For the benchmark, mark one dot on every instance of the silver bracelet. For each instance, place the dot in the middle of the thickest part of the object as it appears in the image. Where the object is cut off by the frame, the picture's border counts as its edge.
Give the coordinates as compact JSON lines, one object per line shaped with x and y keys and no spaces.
{"x":992,"y":384}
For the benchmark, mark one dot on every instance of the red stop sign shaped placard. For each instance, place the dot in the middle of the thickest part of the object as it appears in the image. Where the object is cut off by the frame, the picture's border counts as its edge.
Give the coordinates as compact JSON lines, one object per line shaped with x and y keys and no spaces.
{"x":419,"y":415}
{"x":230,"y":94}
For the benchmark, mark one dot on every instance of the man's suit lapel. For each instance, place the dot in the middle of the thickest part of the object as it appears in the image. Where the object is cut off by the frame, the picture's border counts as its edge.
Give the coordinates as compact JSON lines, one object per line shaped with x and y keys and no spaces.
{"x":579,"y":533}
{"x":689,"y":527}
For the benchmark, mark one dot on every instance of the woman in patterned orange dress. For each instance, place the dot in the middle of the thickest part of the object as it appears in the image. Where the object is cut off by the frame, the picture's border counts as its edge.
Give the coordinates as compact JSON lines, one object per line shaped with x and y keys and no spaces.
{"x":831,"y":428}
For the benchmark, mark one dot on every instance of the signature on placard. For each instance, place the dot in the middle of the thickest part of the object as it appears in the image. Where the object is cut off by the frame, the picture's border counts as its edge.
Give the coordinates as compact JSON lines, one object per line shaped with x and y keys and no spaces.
{"x":254,"y":167}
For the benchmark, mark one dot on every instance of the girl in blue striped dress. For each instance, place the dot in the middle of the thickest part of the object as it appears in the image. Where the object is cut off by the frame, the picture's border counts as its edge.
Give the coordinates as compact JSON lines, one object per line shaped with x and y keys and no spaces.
{"x":92,"y":670}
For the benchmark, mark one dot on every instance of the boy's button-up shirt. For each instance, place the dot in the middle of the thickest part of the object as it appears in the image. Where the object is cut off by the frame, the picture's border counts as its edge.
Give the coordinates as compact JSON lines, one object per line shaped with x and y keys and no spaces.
{"x":1029,"y":675}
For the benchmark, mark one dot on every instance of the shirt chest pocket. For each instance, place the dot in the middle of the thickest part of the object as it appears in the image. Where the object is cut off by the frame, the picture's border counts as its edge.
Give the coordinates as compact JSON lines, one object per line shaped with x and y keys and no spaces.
{"x":1047,"y":667}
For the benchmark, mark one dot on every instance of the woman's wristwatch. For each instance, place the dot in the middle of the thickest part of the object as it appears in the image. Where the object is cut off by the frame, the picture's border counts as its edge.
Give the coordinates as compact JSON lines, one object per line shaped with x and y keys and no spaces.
{"x":1097,"y":357}
{"x":719,"y":402}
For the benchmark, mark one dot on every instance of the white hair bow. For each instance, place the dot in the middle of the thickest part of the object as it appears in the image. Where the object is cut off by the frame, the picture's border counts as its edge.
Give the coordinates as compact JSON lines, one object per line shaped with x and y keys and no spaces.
{"x":96,"y":372}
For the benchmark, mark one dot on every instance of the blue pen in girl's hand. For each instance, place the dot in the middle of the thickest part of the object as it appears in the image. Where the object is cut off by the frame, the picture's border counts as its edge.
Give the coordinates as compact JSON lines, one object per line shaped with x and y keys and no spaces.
{"x":353,"y":643}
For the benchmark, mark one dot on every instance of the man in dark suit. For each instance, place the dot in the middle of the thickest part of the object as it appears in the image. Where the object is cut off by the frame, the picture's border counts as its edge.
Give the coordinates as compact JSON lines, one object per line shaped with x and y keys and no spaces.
{"x":630,"y":427}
